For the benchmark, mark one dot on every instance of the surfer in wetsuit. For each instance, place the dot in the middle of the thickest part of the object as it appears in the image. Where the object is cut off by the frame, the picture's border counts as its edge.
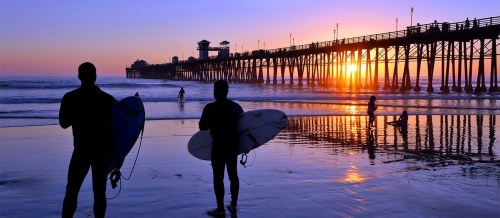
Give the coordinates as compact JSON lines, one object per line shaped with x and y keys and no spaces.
{"x":181,"y":95}
{"x":371,"y":111}
{"x":402,"y":120}
{"x":221,"y":118}
{"x":88,"y":111}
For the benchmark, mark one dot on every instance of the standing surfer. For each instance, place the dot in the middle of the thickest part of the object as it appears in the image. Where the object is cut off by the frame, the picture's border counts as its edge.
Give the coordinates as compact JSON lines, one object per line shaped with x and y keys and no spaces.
{"x":371,"y":111}
{"x":181,"y":95}
{"x":88,"y":111}
{"x":221,"y":118}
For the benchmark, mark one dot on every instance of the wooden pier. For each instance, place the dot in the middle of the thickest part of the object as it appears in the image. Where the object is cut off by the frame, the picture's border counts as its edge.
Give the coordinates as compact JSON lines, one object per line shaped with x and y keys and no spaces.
{"x":409,"y":59}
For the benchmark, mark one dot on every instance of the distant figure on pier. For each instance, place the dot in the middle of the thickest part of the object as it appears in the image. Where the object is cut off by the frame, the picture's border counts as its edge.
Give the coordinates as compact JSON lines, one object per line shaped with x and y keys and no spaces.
{"x":371,"y":111}
{"x":467,"y":23}
{"x":402,"y":120}
{"x":181,"y":95}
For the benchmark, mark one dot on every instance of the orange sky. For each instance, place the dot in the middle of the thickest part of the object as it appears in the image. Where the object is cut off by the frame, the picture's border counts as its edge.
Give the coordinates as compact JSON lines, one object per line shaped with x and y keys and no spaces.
{"x":53,"y":38}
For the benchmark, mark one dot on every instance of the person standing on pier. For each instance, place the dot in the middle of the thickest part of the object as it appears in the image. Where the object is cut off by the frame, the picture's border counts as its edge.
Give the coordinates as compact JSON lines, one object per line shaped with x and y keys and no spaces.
{"x":221,"y":118}
{"x":371,"y":111}
{"x":88,"y":111}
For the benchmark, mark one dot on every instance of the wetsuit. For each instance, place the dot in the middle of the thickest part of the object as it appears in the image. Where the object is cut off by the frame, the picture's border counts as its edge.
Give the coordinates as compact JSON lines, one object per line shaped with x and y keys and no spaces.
{"x":221,"y":117}
{"x":88,"y":111}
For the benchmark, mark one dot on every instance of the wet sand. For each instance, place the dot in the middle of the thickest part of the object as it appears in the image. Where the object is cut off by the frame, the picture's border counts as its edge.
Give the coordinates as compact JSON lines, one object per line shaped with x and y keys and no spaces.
{"x":320,"y":166}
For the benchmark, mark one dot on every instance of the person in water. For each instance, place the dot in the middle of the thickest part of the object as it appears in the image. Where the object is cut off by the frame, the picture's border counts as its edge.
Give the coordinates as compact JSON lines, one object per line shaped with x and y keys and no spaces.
{"x":181,"y":94}
{"x":402,"y":120}
{"x":371,"y":111}
{"x":221,"y":118}
{"x":88,"y":111}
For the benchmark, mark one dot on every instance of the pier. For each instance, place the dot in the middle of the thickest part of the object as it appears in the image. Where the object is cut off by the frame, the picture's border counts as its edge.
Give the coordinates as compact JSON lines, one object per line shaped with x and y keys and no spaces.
{"x":449,"y":52}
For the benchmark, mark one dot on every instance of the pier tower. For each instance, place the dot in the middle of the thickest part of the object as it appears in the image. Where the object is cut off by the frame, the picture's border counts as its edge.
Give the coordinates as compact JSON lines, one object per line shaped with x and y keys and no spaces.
{"x":204,"y":48}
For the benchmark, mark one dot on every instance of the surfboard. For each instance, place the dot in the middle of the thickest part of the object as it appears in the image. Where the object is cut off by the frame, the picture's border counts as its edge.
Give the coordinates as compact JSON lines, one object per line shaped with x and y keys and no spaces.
{"x":255,"y":128}
{"x":396,"y":123}
{"x":128,"y":117}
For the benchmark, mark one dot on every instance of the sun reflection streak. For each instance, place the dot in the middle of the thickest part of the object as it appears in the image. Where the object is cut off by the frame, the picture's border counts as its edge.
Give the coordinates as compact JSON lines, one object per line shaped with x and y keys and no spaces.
{"x":352,"y":176}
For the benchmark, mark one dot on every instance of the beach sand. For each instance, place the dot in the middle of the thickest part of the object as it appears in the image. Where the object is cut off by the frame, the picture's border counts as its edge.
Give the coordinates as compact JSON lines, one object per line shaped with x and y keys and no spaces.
{"x":317,"y":167}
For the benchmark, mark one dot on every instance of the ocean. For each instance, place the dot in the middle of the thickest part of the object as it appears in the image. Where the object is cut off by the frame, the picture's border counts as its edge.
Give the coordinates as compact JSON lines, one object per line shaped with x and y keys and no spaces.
{"x":325,"y":163}
{"x":28,"y":101}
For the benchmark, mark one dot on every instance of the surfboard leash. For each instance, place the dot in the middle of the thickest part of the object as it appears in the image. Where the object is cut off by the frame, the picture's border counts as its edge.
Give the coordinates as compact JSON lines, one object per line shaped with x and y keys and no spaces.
{"x":244,"y":157}
{"x":116,"y":175}
{"x":120,"y":189}
{"x":136,"y":156}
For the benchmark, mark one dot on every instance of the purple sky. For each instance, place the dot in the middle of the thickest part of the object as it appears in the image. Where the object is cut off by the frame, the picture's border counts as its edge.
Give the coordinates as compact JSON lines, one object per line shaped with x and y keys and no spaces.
{"x":53,"y":37}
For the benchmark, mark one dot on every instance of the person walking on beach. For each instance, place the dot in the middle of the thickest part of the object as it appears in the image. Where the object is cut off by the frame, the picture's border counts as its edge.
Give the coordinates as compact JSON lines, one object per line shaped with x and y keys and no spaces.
{"x":371,"y":111}
{"x":181,"y":95}
{"x":88,"y":111}
{"x":221,"y":118}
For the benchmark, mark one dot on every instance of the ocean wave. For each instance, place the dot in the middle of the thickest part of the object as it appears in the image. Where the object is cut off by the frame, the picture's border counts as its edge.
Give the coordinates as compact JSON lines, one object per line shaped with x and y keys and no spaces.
{"x":297,"y":98}
{"x":24,"y":85}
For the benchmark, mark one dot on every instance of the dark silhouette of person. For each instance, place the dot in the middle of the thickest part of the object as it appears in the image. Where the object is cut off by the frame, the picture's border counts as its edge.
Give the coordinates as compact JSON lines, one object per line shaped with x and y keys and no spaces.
{"x":404,"y":133}
{"x":181,"y":94}
{"x":402,"y":120}
{"x":221,"y":118}
{"x":371,"y":111}
{"x":88,"y":111}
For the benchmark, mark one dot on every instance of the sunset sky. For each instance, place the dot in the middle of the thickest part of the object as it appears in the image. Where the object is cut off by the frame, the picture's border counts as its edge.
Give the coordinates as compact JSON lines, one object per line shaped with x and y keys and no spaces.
{"x":53,"y":37}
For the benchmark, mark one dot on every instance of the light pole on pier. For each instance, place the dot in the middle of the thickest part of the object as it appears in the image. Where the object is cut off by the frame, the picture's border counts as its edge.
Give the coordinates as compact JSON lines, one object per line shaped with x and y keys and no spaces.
{"x":396,"y":24}
{"x":337,"y":31}
{"x":290,"y":39}
{"x":334,"y":36}
{"x":258,"y":44}
{"x":411,"y":17}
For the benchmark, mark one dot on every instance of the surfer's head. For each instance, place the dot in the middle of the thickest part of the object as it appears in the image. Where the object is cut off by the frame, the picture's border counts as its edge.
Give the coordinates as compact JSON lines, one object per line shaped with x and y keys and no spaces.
{"x":220,"y":89}
{"x":87,"y":73}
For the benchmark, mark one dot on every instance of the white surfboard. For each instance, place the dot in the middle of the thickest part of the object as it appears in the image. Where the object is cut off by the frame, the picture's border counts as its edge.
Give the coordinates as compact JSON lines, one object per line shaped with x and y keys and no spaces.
{"x":128,"y":117}
{"x":255,"y":128}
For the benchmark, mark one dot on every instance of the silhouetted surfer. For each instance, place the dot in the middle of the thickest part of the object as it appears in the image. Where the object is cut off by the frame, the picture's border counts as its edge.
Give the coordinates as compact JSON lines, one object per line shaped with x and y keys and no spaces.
{"x":221,"y":118}
{"x":371,"y":111}
{"x":181,"y":95}
{"x":88,"y":111}
{"x":402,"y":120}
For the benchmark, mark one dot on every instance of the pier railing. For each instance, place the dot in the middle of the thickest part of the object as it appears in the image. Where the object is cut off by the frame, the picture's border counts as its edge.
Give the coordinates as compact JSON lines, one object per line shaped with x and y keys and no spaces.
{"x":409,"y":31}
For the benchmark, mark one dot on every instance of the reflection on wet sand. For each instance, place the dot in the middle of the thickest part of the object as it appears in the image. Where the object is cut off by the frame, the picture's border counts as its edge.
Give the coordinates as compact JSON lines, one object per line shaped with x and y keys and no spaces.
{"x":426,"y":137}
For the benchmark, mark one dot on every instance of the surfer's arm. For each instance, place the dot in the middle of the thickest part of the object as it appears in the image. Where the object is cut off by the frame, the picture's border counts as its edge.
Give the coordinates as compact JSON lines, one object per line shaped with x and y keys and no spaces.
{"x":204,"y":124}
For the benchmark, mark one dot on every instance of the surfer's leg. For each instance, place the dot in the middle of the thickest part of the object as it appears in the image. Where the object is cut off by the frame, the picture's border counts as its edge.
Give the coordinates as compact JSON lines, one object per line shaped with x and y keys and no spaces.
{"x":78,"y":168}
{"x":371,"y":119}
{"x":232,"y":172}
{"x":99,"y":178}
{"x":218,"y":176}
